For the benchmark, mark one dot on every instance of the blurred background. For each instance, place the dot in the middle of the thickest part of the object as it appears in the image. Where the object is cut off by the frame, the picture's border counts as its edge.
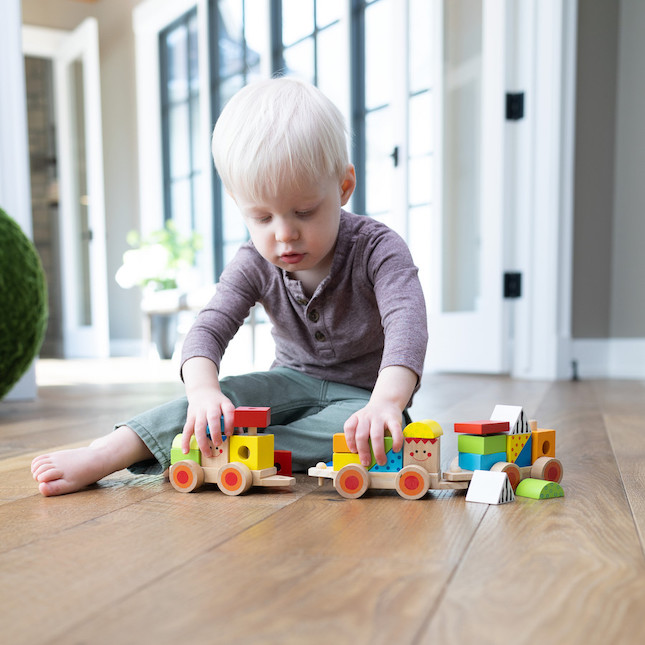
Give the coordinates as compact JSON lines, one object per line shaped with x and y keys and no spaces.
{"x":501,"y":138}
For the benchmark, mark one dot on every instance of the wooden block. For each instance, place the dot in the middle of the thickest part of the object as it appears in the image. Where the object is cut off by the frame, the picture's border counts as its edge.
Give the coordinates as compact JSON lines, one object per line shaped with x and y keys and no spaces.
{"x":469,"y":461}
{"x":341,"y":459}
{"x":220,"y":458}
{"x":543,"y":444}
{"x":514,"y":415}
{"x":524,"y":458}
{"x":425,"y":453}
{"x":539,"y":489}
{"x":255,"y":452}
{"x":252,"y":417}
{"x":282,"y":461}
{"x":394,"y":461}
{"x":176,"y":453}
{"x":261,"y":474}
{"x":515,"y":444}
{"x":426,"y":429}
{"x":339,"y":443}
{"x":490,"y":487}
{"x":482,"y":444}
{"x":483,"y":427}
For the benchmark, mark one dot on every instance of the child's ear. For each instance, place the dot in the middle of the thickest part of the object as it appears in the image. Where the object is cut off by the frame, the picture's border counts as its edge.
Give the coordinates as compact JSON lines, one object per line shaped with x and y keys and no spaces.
{"x":348,"y":184}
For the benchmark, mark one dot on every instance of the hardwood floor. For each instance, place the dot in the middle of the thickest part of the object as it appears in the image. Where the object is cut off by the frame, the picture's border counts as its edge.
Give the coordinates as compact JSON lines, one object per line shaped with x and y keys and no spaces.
{"x":131,"y":560}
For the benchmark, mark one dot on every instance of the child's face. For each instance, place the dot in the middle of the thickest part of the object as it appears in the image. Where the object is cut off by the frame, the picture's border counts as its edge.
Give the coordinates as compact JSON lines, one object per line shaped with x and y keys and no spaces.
{"x":297,"y":229}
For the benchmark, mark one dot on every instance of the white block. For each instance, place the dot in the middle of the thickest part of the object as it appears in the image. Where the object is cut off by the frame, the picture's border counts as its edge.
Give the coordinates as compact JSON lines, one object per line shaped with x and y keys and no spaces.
{"x":515,"y":417}
{"x":490,"y":487}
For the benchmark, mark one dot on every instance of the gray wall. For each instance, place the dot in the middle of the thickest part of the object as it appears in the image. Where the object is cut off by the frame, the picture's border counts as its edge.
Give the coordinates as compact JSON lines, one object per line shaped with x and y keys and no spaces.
{"x":116,"y":43}
{"x":609,"y":213}
{"x":628,"y":257}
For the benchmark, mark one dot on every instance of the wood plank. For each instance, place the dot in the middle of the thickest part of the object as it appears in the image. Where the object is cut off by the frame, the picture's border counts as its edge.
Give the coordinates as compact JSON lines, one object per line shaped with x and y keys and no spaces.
{"x":567,"y":570}
{"x":75,"y":571}
{"x":322,"y":569}
{"x":627,"y":436}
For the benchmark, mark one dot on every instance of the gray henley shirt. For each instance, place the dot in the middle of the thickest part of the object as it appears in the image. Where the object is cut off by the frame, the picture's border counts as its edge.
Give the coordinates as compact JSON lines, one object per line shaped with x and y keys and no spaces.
{"x":367,"y":314}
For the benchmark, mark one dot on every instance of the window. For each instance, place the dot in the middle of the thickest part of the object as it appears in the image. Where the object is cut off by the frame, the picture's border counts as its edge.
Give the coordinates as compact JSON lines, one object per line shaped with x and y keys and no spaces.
{"x":242,"y":37}
{"x":180,"y":114}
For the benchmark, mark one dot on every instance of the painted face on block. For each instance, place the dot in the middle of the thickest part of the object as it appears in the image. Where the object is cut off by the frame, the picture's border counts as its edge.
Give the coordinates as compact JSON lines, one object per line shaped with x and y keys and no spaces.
{"x":421,"y":452}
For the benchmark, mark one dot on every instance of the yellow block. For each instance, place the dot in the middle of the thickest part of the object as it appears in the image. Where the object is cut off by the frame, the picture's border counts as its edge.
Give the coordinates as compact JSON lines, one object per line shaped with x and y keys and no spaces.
{"x":514,"y":445}
{"x":343,"y":458}
{"x":426,"y":429}
{"x":254,"y":451}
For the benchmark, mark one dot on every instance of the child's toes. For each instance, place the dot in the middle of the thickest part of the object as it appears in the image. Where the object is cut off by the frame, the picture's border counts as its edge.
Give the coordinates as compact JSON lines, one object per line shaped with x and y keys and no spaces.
{"x":38,"y":461}
{"x":55,"y":487}
{"x":47,"y":473}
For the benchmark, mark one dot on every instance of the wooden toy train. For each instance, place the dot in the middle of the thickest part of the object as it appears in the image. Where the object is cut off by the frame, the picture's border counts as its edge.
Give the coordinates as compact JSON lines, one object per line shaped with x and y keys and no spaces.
{"x":507,"y":444}
{"x":241,"y":461}
{"x":498,"y":458}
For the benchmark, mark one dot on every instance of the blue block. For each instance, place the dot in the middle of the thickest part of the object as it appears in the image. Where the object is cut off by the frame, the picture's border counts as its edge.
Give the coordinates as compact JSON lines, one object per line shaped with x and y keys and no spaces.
{"x":524,"y":458}
{"x":469,"y":461}
{"x":393,"y":465}
{"x":221,"y":425}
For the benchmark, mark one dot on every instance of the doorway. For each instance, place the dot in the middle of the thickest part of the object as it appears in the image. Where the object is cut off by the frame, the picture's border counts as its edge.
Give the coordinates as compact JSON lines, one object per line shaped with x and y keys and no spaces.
{"x":65,"y":132}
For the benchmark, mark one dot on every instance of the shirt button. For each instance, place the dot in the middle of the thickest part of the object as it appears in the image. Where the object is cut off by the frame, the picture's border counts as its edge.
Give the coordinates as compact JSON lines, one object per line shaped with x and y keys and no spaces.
{"x":319,"y":336}
{"x":314,"y":316}
{"x":302,"y":301}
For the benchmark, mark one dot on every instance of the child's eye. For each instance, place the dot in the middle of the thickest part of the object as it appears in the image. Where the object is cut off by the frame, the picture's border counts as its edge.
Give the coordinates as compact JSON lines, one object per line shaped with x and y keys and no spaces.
{"x":306,"y":213}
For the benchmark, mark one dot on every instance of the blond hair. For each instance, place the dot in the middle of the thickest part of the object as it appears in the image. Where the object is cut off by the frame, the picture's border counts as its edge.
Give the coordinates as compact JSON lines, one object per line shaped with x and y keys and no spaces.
{"x":278,"y":133}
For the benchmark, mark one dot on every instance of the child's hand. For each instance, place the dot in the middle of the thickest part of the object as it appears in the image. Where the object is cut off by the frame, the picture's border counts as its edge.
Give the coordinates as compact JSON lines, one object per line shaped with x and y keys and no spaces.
{"x":205,"y":407}
{"x":371,"y":422}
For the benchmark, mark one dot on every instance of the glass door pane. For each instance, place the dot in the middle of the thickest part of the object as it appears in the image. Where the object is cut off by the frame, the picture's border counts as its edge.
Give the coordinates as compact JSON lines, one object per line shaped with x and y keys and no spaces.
{"x":83,"y":233}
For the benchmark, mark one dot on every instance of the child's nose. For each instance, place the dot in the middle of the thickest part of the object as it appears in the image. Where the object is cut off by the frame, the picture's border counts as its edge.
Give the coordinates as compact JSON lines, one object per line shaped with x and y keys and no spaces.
{"x":286,"y":232}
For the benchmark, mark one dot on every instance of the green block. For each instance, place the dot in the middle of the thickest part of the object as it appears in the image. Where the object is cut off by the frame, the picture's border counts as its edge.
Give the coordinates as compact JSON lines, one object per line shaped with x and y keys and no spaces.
{"x":538,"y":489}
{"x":481,"y":444}
{"x":176,"y":454}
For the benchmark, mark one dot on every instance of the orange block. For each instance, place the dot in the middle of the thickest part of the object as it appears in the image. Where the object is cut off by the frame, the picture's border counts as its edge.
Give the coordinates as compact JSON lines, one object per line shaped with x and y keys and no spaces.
{"x":340,"y":445}
{"x":543,"y":444}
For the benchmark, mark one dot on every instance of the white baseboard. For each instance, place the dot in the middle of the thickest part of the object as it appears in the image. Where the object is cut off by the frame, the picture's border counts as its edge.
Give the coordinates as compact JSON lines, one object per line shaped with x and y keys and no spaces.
{"x":609,"y":357}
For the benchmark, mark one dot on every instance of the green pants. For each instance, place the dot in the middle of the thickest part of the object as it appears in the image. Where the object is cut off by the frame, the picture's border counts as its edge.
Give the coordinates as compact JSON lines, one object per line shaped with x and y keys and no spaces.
{"x":305,"y":413}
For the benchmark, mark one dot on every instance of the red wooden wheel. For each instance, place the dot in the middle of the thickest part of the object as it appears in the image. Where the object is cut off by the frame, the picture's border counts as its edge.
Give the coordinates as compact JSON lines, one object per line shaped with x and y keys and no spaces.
{"x":511,"y":469}
{"x":548,"y":468}
{"x":352,"y":481}
{"x":186,"y":476}
{"x":234,"y":478}
{"x":412,"y":482}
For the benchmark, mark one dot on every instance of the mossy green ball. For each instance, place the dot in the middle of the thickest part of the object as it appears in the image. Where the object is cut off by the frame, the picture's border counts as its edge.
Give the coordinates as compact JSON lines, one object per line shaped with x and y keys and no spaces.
{"x":23,"y":303}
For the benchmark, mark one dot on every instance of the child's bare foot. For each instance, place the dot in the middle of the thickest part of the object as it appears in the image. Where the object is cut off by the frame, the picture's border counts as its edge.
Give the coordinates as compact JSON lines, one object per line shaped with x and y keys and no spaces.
{"x":66,"y":471}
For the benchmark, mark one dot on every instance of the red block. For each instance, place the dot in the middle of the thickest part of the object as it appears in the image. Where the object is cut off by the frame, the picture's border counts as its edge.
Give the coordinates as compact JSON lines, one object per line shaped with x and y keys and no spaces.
{"x":282,"y":461}
{"x":247,"y":417}
{"x":483,"y":427}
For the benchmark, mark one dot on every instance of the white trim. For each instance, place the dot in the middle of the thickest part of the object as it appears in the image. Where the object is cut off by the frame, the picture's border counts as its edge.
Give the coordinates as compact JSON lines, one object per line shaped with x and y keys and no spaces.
{"x":542,"y":320}
{"x":621,"y":358}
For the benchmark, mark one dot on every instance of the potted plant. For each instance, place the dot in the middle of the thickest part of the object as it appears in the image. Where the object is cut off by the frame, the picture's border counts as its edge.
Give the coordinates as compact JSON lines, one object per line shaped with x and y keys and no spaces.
{"x":162,"y":261}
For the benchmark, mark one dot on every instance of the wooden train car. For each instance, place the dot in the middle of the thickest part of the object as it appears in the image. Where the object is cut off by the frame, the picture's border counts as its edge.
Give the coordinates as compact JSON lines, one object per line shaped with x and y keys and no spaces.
{"x":240,"y":462}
